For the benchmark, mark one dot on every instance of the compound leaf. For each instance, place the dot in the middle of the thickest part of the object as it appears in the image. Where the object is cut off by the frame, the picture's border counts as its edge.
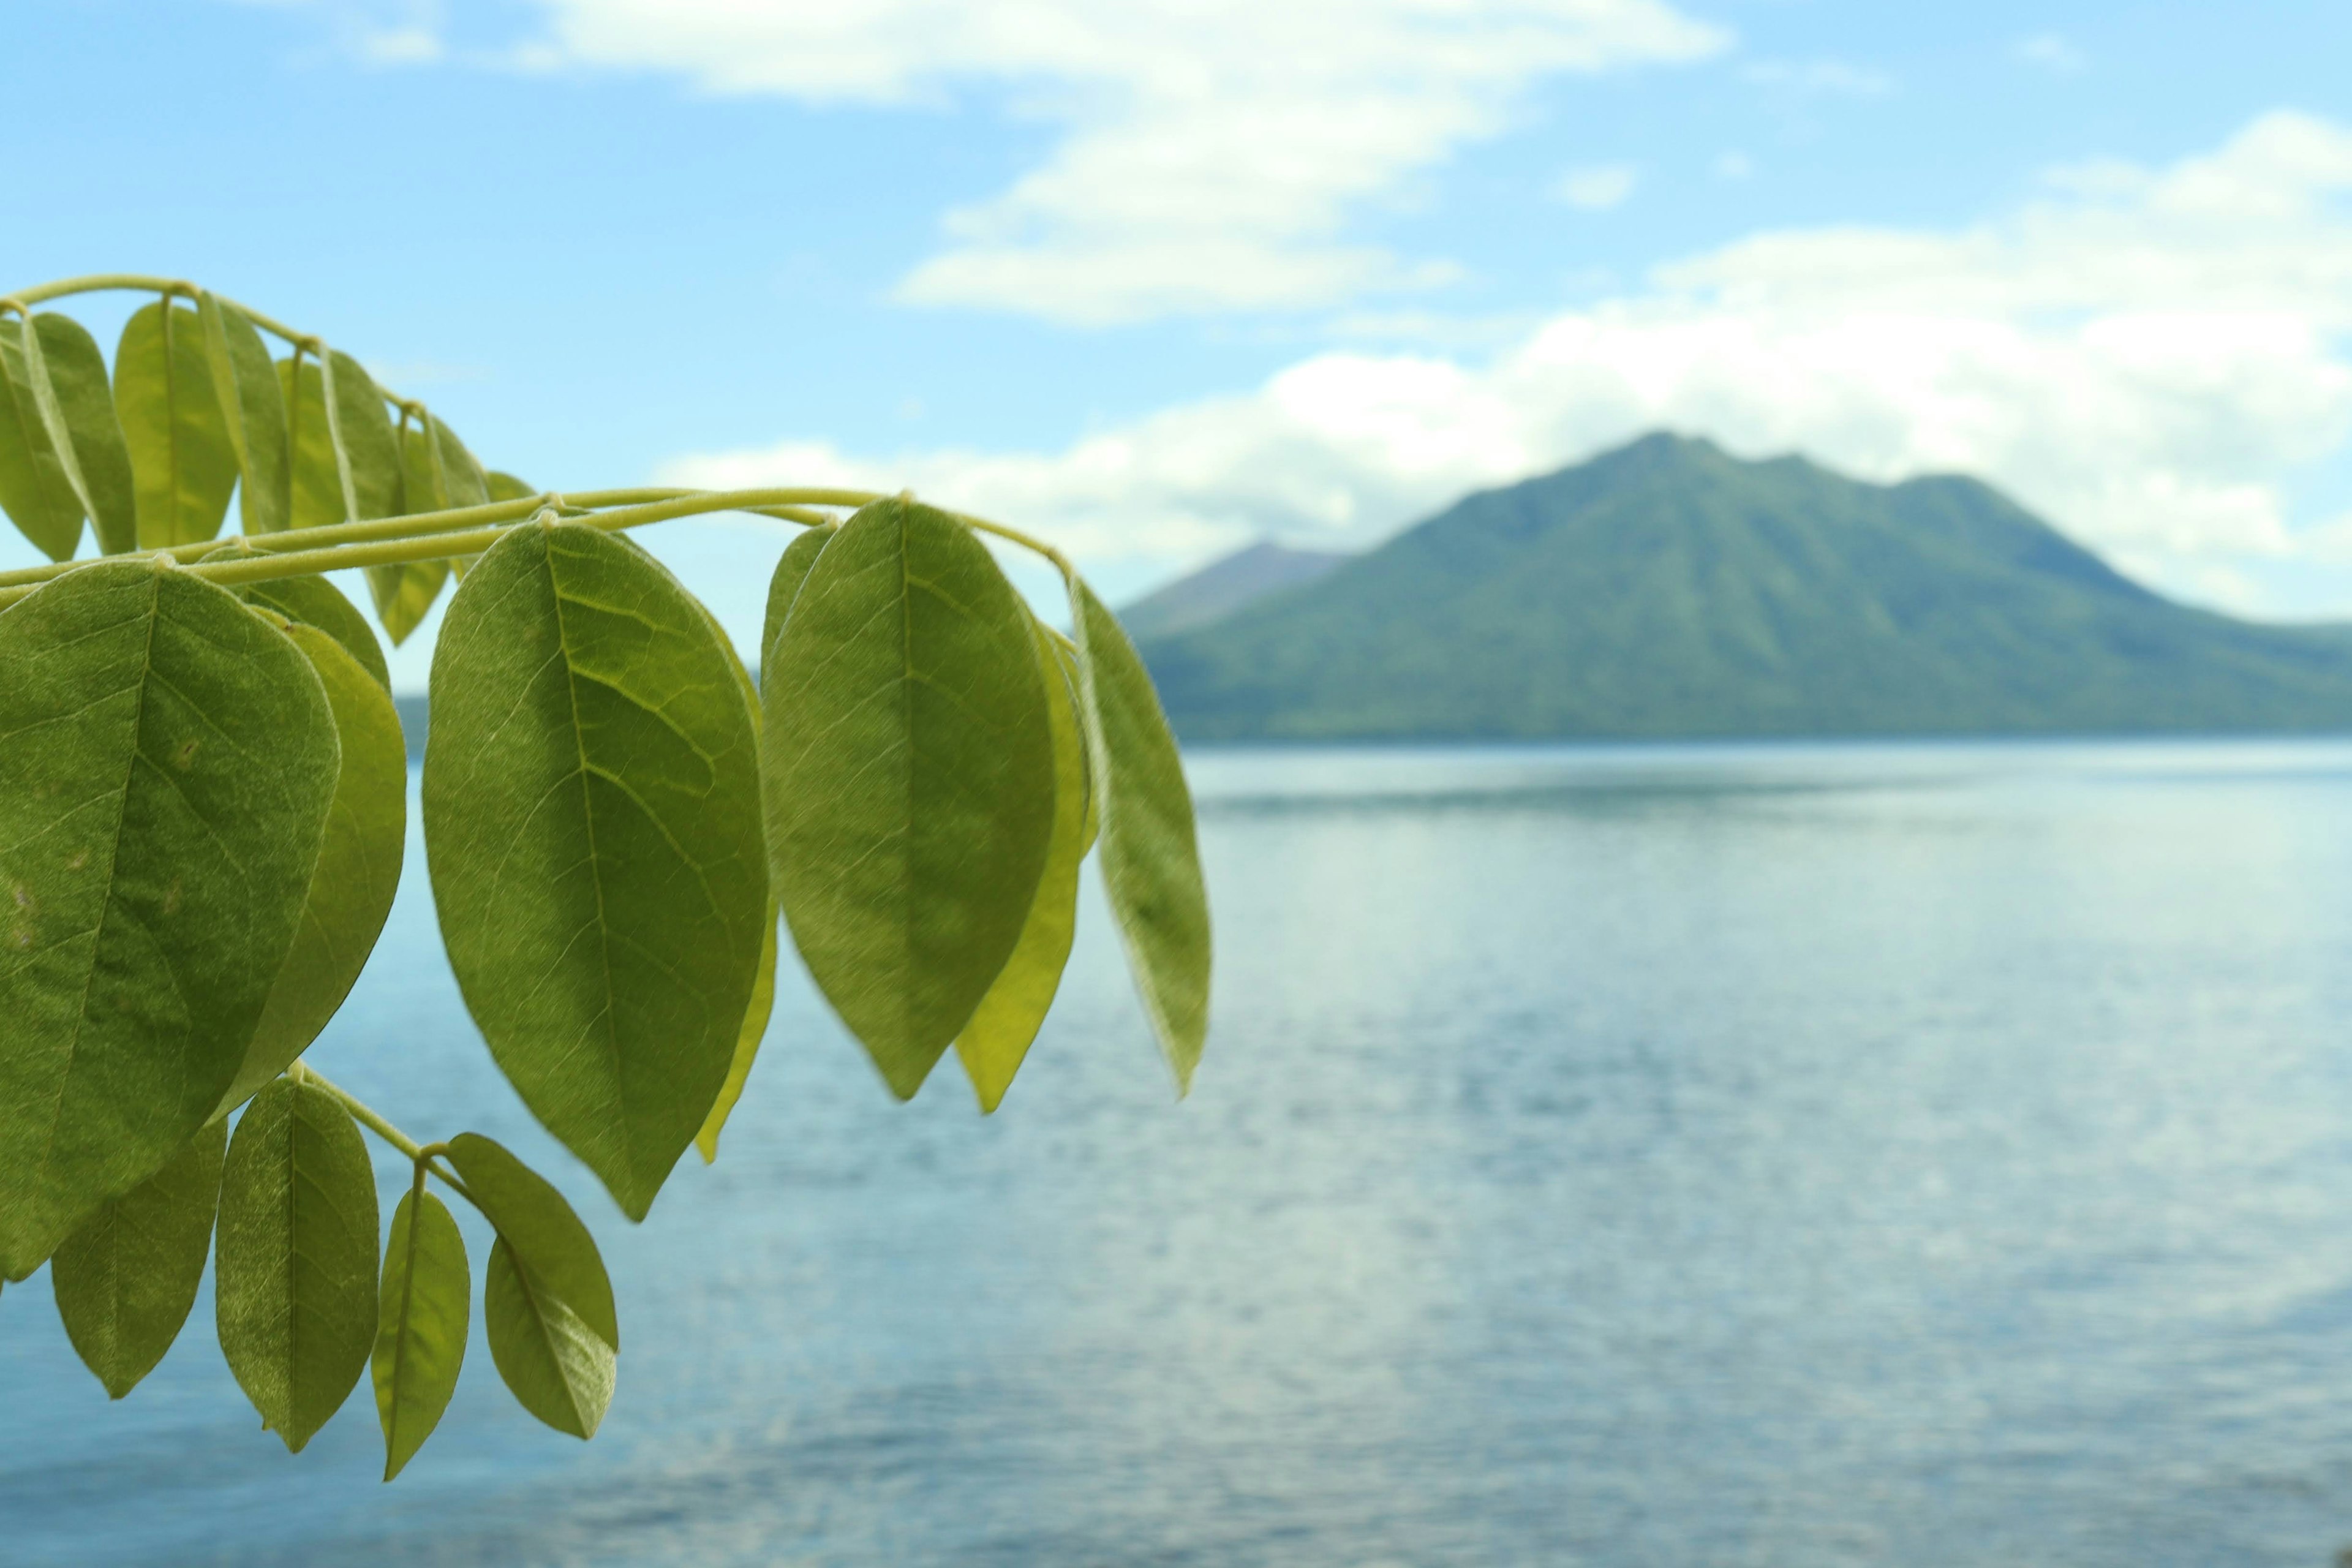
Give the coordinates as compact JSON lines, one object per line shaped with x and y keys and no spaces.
{"x":993,"y":1045}
{"x":592,"y":824}
{"x":421,"y":1316}
{"x":295,"y":1287}
{"x":357,"y":873}
{"x":912,"y":771}
{"x":1151,"y":858}
{"x":253,"y":410}
{"x":126,"y":1279}
{"x":547,"y":1303}
{"x":183,"y":467}
{"x":167,"y":762}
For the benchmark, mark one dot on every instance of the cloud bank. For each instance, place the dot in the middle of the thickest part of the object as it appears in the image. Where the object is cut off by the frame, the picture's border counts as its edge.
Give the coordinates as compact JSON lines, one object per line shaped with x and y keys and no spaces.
{"x":2149,"y":357}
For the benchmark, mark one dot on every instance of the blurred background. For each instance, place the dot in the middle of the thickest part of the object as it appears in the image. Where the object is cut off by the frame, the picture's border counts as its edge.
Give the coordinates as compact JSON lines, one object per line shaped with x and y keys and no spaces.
{"x":1799,"y":1151}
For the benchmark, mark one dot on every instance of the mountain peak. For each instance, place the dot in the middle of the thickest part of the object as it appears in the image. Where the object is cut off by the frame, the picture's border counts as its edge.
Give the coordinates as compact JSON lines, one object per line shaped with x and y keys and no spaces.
{"x":1666,"y":587}
{"x":1225,"y":585}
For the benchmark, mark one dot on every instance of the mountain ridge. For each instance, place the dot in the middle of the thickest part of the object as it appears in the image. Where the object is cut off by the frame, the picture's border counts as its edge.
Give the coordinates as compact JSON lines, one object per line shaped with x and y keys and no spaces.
{"x":1668,"y":589}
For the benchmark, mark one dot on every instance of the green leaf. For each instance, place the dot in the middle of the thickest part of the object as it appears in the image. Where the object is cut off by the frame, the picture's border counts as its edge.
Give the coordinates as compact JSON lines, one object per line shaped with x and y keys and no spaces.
{"x":547,"y":1303}
{"x":126,"y":1279}
{"x":420,"y":1315}
{"x":253,"y":409}
{"x":746,"y":1044}
{"x":314,"y":602}
{"x":357,"y":873}
{"x":183,"y":467}
{"x":553,"y":1363}
{"x":592,"y":823}
{"x":993,"y":1045}
{"x":1150,"y":860}
{"x":438,"y":474}
{"x":506,"y":487}
{"x":33,"y":490}
{"x":295,"y":1287}
{"x":346,"y":465}
{"x":166,"y":764}
{"x":1066,"y":654}
{"x":791,"y":573}
{"x":912,"y":770}
{"x":67,"y":378}
{"x":754,"y":1027}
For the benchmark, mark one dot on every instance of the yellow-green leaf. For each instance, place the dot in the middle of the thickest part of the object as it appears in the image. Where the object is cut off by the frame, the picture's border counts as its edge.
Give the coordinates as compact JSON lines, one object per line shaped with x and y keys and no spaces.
{"x":166,"y":764}
{"x":993,"y":1045}
{"x":126,"y":1279}
{"x":1150,"y":858}
{"x":911,"y":766}
{"x":253,"y":409}
{"x":592,"y":823}
{"x":182,"y":465}
{"x":33,"y":490}
{"x":295,"y":1287}
{"x":68,"y":375}
{"x":357,"y":873}
{"x":763,"y":984}
{"x":553,"y":1363}
{"x":346,"y":465}
{"x":421,"y":1316}
{"x":746,"y":1044}
{"x":547,"y":1303}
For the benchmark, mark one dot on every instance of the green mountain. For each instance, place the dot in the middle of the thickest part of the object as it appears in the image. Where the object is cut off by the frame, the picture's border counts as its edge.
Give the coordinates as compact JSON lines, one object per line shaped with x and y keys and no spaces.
{"x":1668,"y":589}
{"x":1222,"y":586}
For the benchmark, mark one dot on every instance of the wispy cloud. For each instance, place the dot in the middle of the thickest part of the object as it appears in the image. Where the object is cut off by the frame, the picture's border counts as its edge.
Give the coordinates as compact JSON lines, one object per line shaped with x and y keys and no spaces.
{"x":1599,"y":188}
{"x":1835,"y":77}
{"x":2052,"y":53}
{"x":1212,"y":153}
{"x":2150,"y":362}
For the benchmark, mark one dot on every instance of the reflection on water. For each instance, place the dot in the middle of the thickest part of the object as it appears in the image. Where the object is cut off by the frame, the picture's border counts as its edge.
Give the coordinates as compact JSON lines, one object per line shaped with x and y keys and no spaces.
{"x":1921,"y":1154}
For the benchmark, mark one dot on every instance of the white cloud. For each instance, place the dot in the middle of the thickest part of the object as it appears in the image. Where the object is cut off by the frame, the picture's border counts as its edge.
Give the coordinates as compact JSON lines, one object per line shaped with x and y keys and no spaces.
{"x":1832,"y":76}
{"x":2052,"y":53}
{"x":1214,"y":148}
{"x":1734,"y":165}
{"x":1599,"y":188}
{"x":2148,"y":360}
{"x":409,"y":46}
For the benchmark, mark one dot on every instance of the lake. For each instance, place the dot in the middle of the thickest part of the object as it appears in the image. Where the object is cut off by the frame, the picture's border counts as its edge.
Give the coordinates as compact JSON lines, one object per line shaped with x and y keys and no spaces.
{"x":1829,"y":1154}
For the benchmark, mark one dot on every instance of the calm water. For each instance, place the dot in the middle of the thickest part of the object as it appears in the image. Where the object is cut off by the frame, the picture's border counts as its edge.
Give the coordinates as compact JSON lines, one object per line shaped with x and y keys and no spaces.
{"x":1828,"y":1156}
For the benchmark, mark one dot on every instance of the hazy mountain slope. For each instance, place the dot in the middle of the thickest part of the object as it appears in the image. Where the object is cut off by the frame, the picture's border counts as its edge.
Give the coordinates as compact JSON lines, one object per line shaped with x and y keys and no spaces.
{"x":1668,"y":589}
{"x":1223,"y":586}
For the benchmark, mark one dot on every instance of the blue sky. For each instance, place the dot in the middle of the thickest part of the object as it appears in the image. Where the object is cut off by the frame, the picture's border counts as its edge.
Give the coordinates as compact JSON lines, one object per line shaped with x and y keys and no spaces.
{"x":1158,"y":278}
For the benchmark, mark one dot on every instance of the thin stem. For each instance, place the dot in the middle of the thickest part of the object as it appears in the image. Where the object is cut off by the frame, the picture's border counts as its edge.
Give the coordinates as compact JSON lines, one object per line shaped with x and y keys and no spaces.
{"x":422,"y":1155}
{"x":307,"y":542}
{"x":1015,"y":536}
{"x":361,"y":1112}
{"x":148,"y":283}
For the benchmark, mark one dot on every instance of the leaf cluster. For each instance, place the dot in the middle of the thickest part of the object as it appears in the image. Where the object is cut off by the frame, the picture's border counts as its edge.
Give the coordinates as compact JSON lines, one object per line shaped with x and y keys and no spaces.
{"x":203,"y":795}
